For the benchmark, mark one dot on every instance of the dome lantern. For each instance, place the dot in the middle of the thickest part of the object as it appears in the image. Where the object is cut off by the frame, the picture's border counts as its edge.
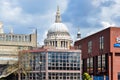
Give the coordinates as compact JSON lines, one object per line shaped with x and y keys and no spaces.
{"x":58,"y":17}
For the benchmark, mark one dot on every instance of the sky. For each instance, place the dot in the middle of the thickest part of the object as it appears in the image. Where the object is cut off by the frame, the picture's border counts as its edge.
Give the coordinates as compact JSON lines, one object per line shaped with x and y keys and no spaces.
{"x":90,"y":16}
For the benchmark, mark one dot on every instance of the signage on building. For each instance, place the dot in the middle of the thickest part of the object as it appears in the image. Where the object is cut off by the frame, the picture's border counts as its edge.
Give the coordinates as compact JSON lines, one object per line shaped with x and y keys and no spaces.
{"x":117,"y":45}
{"x":118,"y":42}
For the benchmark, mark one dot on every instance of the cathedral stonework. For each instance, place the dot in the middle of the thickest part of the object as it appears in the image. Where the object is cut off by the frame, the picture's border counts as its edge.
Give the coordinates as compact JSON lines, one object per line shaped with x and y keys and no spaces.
{"x":58,"y":35}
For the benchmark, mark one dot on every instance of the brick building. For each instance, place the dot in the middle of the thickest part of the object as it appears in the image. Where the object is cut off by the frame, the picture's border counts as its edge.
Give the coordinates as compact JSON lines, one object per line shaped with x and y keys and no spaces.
{"x":101,"y":53}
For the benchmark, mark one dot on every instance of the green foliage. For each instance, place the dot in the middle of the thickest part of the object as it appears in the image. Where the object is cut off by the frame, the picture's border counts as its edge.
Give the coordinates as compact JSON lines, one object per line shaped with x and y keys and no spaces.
{"x":86,"y":76}
{"x":2,"y":79}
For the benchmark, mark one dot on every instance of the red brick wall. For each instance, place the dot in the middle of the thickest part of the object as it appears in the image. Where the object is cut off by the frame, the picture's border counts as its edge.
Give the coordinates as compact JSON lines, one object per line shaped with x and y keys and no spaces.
{"x":115,"y":66}
{"x":95,"y":43}
{"x":115,"y":32}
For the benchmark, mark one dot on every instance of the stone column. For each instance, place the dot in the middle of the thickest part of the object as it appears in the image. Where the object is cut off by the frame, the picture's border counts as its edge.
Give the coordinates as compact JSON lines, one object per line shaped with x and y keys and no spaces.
{"x":65,"y":44}
{"x":46,"y":66}
{"x":52,"y":43}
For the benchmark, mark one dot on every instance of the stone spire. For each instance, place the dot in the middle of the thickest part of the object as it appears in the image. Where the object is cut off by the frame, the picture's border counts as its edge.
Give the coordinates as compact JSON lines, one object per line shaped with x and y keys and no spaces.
{"x":78,"y":34}
{"x":58,"y":17}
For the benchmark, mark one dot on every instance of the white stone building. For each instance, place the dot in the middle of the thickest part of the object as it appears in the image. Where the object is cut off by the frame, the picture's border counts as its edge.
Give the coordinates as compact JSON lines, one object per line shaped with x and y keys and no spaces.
{"x":11,"y":44}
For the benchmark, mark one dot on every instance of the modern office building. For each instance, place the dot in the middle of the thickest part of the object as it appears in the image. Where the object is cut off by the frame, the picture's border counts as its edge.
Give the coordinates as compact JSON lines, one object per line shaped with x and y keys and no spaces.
{"x":101,"y":53}
{"x":56,"y":60}
{"x":55,"y":64}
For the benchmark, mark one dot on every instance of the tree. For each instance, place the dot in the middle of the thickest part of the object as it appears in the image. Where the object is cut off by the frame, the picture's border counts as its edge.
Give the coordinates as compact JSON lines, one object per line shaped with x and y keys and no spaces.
{"x":86,"y":76}
{"x":20,"y":66}
{"x":23,"y":63}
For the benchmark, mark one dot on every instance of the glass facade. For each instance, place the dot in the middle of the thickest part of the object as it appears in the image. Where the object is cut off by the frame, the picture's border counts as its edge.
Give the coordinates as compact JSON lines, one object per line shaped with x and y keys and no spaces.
{"x":33,"y":61}
{"x":55,"y":66}
{"x":63,"y":61}
{"x":64,"y":76}
{"x":66,"y":61}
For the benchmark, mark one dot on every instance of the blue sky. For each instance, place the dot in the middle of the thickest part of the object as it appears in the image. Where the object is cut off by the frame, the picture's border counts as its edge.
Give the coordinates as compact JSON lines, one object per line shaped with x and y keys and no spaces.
{"x":88,"y":15}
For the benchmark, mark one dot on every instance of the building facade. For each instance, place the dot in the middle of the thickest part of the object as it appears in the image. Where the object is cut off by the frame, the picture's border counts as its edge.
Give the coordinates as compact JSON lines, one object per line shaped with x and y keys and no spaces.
{"x":11,"y":43}
{"x":101,"y":53}
{"x":55,"y":65}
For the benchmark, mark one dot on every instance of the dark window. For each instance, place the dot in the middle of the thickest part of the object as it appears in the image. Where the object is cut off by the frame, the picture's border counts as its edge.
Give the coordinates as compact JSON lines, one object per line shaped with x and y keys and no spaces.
{"x":118,"y":75}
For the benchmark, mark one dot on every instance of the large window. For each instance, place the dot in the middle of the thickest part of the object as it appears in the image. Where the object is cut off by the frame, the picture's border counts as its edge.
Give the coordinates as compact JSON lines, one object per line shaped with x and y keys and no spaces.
{"x":101,"y":39}
{"x":91,"y":65}
{"x":35,"y":60}
{"x":99,"y":63}
{"x":88,"y":64}
{"x":64,"y":61}
{"x":102,"y":63}
{"x":90,"y":47}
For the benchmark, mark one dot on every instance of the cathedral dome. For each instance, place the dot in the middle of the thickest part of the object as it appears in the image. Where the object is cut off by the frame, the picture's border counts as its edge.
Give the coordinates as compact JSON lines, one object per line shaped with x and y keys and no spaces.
{"x":58,"y":35}
{"x":58,"y":27}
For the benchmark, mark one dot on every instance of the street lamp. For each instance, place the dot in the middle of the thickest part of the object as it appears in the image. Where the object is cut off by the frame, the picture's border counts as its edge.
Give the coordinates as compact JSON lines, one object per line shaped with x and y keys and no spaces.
{"x":40,"y":70}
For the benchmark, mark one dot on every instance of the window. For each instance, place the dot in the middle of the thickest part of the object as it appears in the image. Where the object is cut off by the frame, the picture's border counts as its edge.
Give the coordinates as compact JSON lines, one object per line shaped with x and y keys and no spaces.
{"x":103,"y":63}
{"x":91,"y":65}
{"x":88,"y":65}
{"x":64,"y":61}
{"x":101,"y":39}
{"x":89,"y":46}
{"x":99,"y":63}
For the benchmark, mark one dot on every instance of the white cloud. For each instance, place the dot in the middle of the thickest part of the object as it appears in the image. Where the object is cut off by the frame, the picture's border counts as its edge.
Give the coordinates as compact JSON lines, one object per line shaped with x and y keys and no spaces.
{"x":104,"y":24}
{"x":12,"y":12}
{"x":97,"y":3}
{"x":107,"y":24}
{"x":107,"y":14}
{"x":8,"y":11}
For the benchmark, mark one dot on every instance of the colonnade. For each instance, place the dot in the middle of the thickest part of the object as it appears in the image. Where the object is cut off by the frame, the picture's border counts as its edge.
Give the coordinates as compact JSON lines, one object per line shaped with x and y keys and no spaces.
{"x":58,"y":43}
{"x":17,"y":38}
